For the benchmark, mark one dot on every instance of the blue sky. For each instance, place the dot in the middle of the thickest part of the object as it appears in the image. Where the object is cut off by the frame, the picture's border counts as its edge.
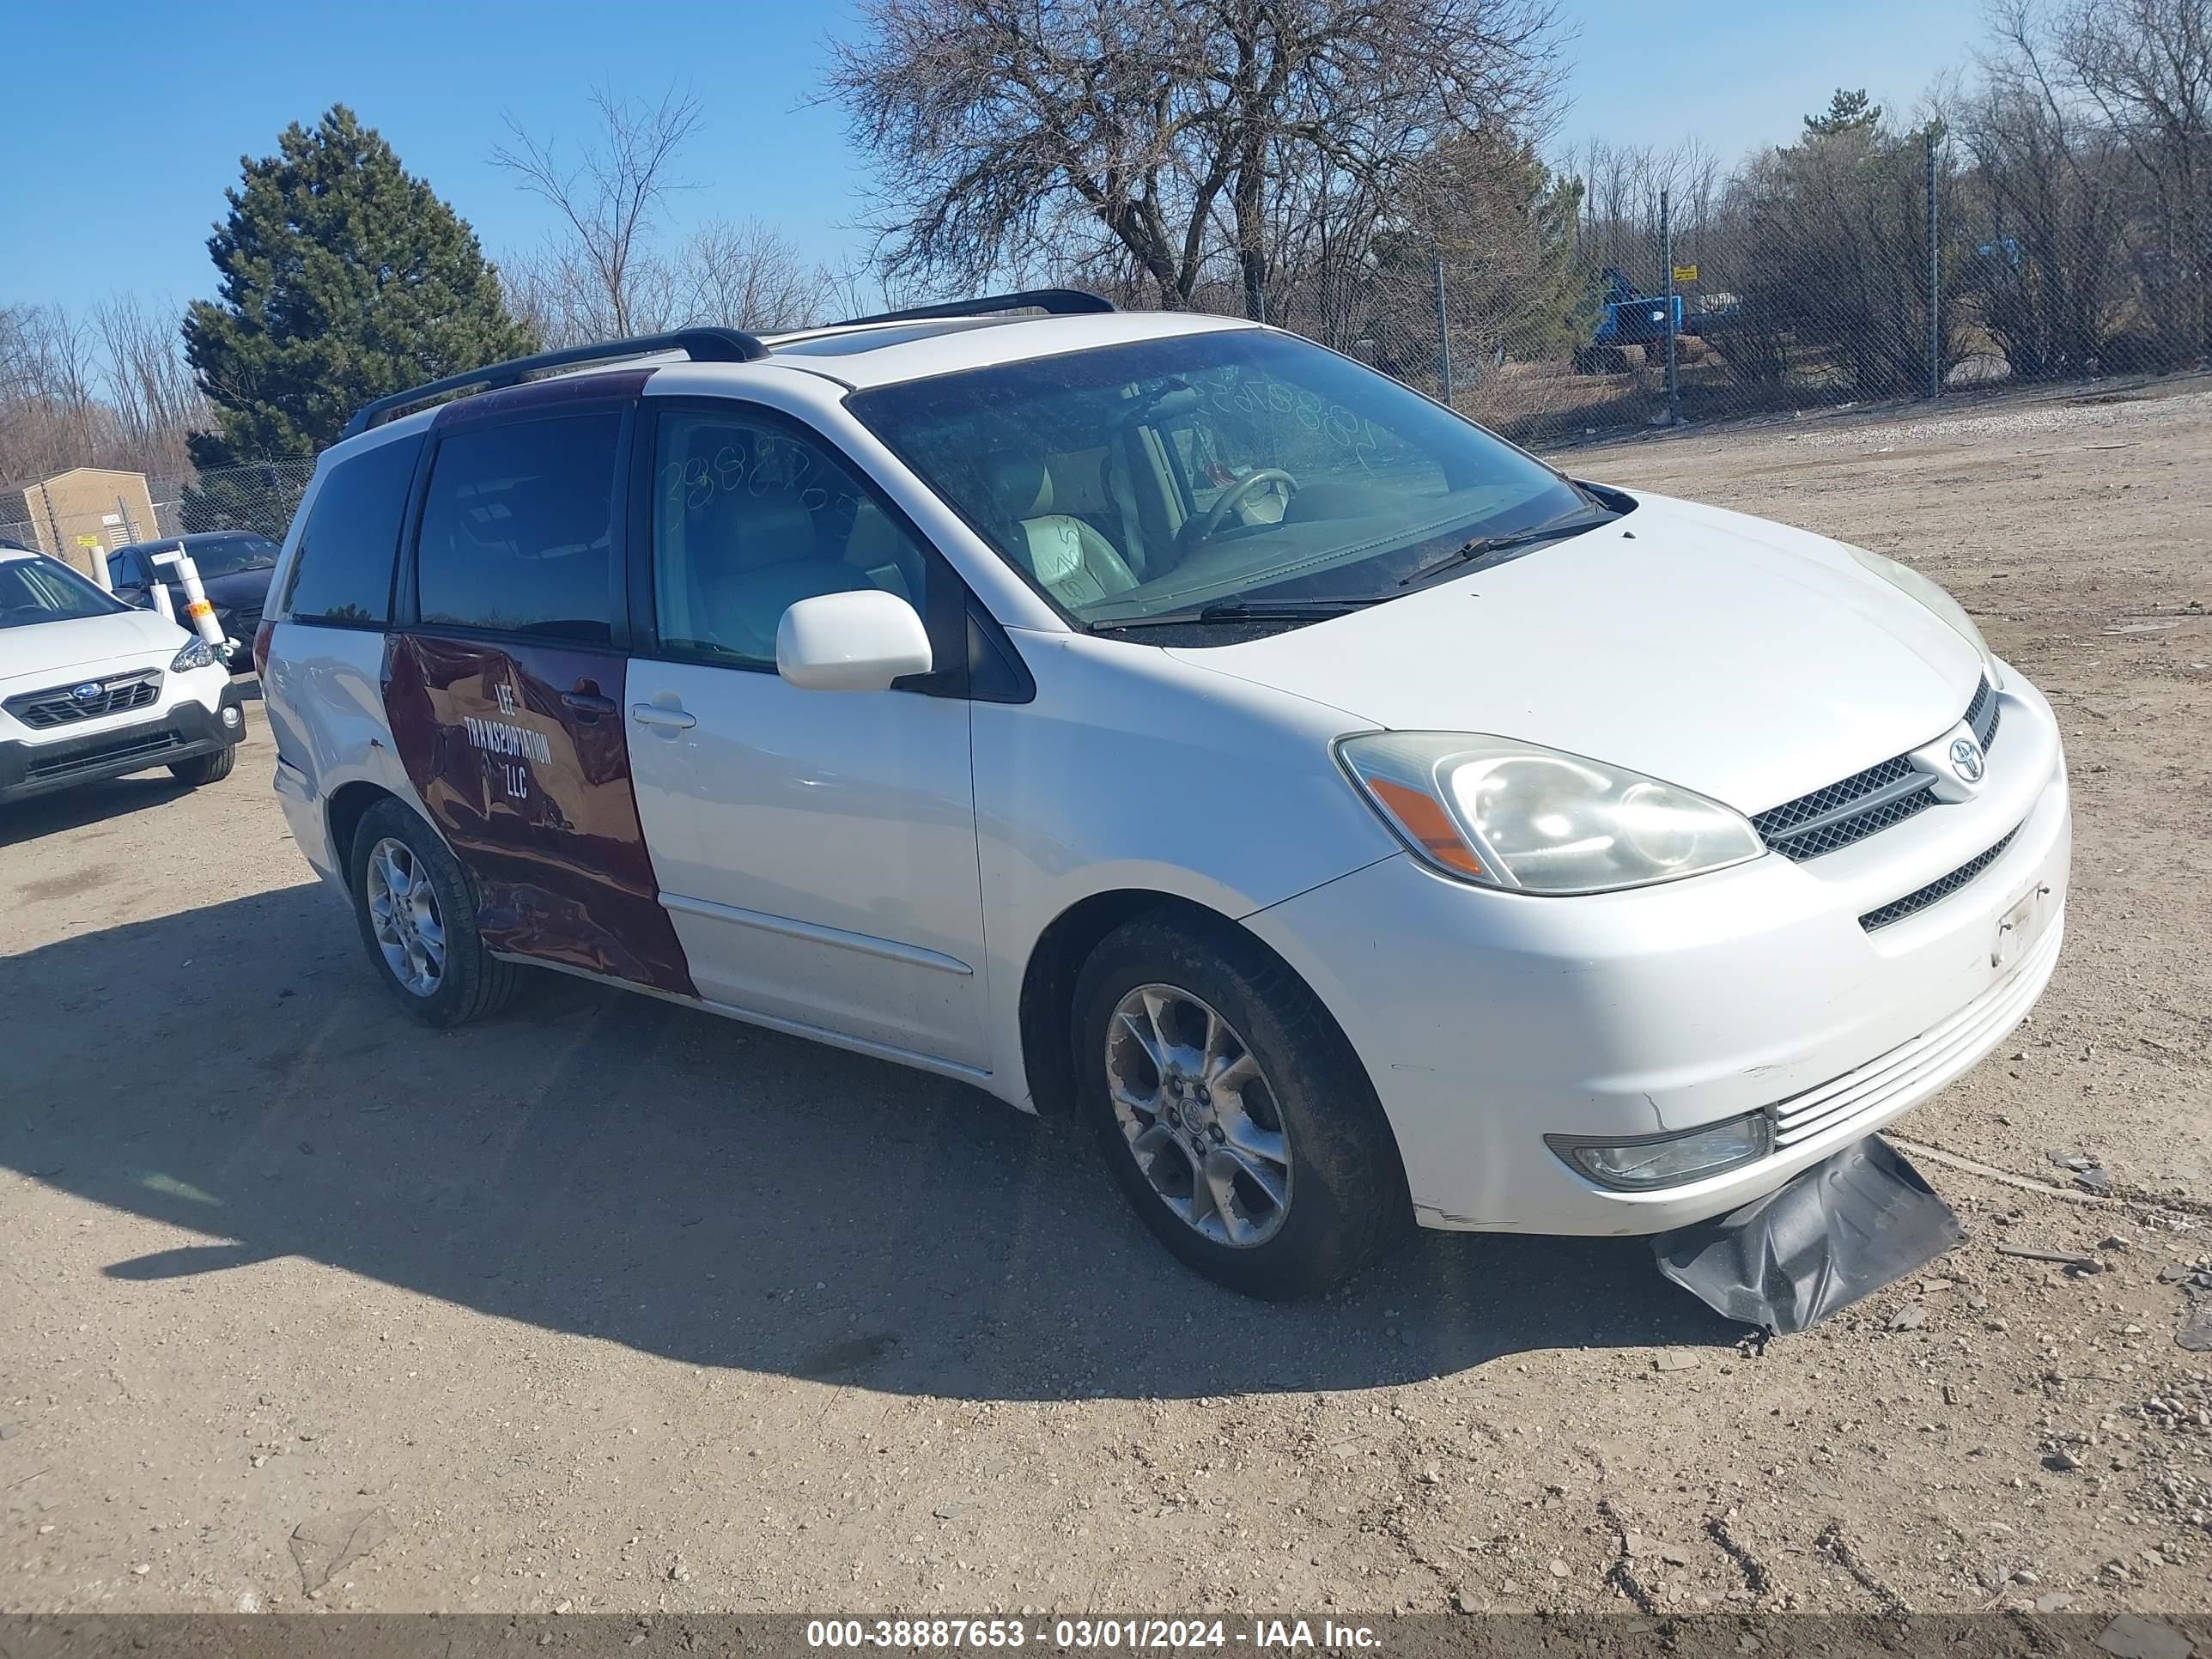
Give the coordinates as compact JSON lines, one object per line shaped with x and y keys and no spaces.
{"x":117,"y":188}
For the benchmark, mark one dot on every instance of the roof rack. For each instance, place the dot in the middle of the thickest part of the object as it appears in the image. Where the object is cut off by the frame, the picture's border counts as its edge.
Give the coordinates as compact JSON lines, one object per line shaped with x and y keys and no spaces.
{"x":1057,"y":301}
{"x":701,"y":345}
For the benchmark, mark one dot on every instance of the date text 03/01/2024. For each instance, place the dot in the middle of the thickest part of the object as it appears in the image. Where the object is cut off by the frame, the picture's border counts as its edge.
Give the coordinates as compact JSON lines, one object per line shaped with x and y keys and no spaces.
{"x":1132,"y":1635}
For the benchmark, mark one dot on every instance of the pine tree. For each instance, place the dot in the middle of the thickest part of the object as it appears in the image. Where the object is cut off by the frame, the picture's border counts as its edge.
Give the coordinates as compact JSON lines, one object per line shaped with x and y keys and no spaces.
{"x":343,"y":278}
{"x":1849,"y":111}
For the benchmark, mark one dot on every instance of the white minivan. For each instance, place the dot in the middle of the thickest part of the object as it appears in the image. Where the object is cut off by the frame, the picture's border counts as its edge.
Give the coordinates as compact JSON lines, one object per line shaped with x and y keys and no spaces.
{"x":1168,"y":721}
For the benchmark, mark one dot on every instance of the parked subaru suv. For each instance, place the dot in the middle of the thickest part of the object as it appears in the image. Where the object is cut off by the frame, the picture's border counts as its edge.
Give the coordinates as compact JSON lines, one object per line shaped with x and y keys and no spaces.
{"x":1166,"y":719}
{"x":92,"y":688}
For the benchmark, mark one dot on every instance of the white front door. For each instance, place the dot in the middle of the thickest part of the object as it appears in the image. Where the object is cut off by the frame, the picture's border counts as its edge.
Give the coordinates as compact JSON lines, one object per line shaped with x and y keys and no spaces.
{"x":815,"y":850}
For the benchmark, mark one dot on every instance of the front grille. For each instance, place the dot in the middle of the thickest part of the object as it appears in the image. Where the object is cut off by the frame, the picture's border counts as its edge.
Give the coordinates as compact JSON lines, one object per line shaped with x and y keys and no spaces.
{"x":1983,"y":714}
{"x":1942,"y":888}
{"x":1845,"y":813}
{"x":88,"y":754}
{"x":1867,"y":802}
{"x":59,"y":705}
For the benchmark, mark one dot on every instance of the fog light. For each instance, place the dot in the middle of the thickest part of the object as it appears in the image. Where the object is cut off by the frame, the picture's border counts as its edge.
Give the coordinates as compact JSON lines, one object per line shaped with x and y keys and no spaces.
{"x":1649,"y":1161}
{"x":230,"y":718}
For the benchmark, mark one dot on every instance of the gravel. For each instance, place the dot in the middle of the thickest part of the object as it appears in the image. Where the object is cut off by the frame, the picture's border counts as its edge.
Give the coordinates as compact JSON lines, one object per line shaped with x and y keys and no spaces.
{"x":612,"y":1305}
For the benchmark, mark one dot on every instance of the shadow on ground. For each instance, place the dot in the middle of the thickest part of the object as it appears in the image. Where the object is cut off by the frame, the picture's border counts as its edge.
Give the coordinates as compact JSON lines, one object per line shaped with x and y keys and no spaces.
{"x":88,"y":804}
{"x":110,"y":798}
{"x":609,"y":1166}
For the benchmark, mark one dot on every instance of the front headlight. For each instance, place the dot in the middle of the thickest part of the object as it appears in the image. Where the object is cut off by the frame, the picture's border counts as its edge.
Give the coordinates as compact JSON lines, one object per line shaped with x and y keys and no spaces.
{"x":1513,"y":815}
{"x":1931,"y":595}
{"x":199,"y":654}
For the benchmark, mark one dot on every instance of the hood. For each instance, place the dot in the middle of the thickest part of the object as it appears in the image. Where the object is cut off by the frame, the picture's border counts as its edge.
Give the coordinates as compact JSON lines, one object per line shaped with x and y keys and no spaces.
{"x":1744,"y":660}
{"x":242,"y":588}
{"x":46,"y":653}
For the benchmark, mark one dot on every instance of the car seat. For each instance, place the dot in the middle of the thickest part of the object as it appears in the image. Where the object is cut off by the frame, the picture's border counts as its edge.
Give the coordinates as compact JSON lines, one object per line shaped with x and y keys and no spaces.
{"x":1074,"y":563}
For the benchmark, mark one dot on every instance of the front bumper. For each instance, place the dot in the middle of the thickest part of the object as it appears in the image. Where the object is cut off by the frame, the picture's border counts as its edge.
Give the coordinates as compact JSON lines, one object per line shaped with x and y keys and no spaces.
{"x":187,"y":728}
{"x":1487,"y":1020}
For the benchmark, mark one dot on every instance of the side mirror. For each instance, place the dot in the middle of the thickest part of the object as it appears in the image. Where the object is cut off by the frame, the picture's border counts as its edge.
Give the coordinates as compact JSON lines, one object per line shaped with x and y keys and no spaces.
{"x":857,"y":641}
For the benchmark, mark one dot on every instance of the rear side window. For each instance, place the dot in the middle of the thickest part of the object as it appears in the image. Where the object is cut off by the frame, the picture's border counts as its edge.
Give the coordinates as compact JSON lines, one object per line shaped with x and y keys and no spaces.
{"x":518,"y":530}
{"x":342,"y":573}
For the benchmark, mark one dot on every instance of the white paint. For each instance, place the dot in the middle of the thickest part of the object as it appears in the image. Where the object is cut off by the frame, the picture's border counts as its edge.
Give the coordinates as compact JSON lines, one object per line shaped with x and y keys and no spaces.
{"x":858,"y":641}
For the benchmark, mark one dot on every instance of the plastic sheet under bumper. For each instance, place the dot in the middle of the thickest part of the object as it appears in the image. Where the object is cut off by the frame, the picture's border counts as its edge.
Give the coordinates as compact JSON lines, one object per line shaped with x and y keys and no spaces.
{"x":1861,"y":1219}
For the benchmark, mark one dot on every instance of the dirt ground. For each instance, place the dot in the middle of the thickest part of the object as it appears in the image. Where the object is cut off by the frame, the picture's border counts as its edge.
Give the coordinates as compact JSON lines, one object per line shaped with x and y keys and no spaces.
{"x":610,"y":1306}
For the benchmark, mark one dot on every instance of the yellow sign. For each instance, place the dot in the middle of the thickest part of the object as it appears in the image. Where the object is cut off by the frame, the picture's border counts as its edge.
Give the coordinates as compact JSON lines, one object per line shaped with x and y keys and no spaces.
{"x":1686,"y":273}
{"x":88,"y":541}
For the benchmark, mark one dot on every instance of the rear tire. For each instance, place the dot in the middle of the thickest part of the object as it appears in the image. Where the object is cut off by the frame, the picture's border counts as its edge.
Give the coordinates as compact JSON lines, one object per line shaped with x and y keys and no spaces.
{"x":418,"y":913}
{"x":1264,"y":1160}
{"x":206,"y":768}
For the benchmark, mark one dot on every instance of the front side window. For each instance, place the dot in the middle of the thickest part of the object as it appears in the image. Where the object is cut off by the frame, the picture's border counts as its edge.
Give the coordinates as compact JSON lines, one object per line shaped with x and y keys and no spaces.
{"x":1163,"y":476}
{"x":46,"y":590}
{"x":518,"y":530}
{"x":749,"y":516}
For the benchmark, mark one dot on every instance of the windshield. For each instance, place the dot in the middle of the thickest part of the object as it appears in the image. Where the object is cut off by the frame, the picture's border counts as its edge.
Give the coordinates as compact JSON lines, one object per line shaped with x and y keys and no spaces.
{"x":46,"y":590}
{"x":1229,"y":471}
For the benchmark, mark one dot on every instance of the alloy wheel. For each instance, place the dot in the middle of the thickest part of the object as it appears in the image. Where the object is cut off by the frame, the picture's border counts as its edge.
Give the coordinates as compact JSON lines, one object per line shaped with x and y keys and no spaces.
{"x":1199,"y":1116}
{"x":403,"y":914}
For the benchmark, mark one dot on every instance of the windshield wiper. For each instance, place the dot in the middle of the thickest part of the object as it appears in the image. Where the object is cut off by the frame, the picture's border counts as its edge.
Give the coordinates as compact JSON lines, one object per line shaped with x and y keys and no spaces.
{"x":1483,"y":546}
{"x":1237,"y":610}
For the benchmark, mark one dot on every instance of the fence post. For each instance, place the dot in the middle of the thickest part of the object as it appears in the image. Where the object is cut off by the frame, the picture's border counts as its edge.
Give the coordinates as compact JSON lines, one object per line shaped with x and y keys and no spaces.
{"x":1667,"y":256}
{"x":1443,"y":325}
{"x":53,"y":522}
{"x":1934,"y":279}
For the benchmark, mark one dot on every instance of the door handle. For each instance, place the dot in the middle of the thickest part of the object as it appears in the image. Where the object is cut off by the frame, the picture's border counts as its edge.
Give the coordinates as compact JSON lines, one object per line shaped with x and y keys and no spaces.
{"x":659,"y":713}
{"x":589,"y":702}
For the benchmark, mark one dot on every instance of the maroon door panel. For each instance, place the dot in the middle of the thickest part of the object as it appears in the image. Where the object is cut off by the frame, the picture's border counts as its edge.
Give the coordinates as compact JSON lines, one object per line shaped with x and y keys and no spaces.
{"x":518,"y":751}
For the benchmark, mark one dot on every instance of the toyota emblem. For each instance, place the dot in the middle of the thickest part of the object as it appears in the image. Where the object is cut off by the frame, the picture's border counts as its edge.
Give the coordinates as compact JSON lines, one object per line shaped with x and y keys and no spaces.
{"x":1967,"y":760}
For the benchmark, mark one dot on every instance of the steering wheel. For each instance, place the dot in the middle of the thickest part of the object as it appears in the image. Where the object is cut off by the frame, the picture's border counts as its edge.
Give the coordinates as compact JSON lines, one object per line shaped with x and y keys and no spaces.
{"x":1229,"y":498}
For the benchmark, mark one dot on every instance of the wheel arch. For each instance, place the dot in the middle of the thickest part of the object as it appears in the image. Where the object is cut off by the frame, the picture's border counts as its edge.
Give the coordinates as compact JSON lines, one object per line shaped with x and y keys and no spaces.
{"x":1045,"y":1010}
{"x":351,"y":802}
{"x":348,"y":806}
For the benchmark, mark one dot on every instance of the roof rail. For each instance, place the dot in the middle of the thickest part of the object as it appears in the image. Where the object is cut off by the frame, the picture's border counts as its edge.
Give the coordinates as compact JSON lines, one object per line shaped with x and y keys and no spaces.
{"x":701,"y":345}
{"x":1058,"y":301}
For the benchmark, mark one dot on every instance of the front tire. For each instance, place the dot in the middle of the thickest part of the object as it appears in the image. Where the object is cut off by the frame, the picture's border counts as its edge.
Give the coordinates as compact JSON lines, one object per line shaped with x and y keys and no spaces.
{"x":211,"y":768}
{"x":418,"y":918}
{"x":1231,"y":1109}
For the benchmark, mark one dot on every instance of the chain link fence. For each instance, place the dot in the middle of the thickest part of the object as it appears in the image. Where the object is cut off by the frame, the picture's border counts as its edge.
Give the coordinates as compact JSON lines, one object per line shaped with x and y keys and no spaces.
{"x":1869,"y":266}
{"x":83,"y":516}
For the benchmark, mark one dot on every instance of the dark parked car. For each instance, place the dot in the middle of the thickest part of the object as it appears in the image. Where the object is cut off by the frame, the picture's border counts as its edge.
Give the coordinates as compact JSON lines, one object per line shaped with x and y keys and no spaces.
{"x":235,"y":566}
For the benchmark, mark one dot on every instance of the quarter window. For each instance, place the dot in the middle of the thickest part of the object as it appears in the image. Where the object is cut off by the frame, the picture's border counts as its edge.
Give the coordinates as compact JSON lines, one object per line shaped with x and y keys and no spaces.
{"x":518,"y":532}
{"x":342,"y":573}
{"x":749,"y":518}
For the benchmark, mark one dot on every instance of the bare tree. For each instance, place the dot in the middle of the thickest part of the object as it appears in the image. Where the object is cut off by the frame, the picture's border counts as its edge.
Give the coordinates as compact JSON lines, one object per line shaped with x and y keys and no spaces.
{"x":51,"y":416}
{"x":2045,"y":179}
{"x":748,"y":275}
{"x":556,"y":292}
{"x":609,"y":202}
{"x":994,"y":122}
{"x":150,"y":386}
{"x":2147,"y":67}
